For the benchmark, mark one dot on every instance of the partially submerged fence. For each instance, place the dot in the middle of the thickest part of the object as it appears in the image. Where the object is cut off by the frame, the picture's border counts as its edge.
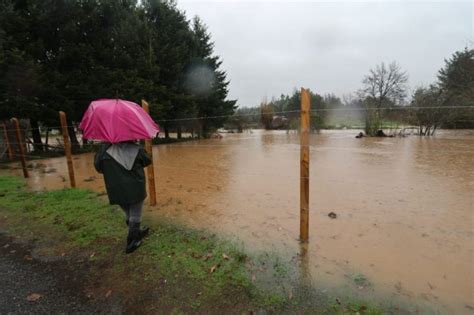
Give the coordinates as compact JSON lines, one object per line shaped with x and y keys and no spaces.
{"x":16,"y":150}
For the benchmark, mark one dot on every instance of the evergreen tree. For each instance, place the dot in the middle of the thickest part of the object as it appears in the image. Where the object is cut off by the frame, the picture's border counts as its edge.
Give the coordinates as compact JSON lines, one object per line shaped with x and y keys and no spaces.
{"x":61,"y":54}
{"x":456,"y":84}
{"x":207,"y":83}
{"x":169,"y":40}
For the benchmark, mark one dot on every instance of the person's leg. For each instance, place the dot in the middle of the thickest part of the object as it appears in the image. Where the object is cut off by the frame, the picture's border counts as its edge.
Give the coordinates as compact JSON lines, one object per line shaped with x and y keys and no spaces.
{"x":136,"y":212}
{"x":135,"y":234}
{"x":126,"y":209}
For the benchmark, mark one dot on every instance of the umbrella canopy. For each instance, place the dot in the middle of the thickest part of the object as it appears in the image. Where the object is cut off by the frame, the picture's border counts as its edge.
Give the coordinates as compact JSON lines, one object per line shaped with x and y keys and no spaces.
{"x":115,"y":120}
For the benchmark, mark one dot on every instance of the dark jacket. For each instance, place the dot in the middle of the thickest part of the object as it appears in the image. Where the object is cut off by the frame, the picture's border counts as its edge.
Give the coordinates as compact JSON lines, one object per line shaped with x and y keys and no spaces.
{"x":123,"y":186}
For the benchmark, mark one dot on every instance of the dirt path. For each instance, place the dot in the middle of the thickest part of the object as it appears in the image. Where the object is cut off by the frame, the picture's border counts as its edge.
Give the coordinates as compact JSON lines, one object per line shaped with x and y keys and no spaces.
{"x":30,"y":286}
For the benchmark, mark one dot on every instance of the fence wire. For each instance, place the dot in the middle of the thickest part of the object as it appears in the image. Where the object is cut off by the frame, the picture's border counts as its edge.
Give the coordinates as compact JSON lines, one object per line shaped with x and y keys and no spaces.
{"x":59,"y":146}
{"x":314,"y":110}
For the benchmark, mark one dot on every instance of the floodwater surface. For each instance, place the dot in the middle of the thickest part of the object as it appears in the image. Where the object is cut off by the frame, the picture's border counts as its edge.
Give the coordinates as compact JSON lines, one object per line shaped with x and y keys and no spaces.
{"x":404,"y":206}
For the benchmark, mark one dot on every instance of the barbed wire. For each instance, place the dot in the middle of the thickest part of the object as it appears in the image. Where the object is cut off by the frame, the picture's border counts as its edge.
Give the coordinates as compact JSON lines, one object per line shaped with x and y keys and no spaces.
{"x":392,"y":108}
{"x":226,"y":116}
{"x":258,"y":113}
{"x":189,"y":143}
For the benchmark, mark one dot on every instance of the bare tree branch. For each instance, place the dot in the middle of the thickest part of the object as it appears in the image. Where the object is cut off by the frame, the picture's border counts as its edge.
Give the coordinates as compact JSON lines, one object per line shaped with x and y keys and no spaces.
{"x":385,"y":84}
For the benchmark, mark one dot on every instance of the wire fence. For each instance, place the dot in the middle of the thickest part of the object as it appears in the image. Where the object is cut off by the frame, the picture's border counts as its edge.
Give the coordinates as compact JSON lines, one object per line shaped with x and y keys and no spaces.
{"x":203,"y":176}
{"x":285,"y":112}
{"x":58,"y":145}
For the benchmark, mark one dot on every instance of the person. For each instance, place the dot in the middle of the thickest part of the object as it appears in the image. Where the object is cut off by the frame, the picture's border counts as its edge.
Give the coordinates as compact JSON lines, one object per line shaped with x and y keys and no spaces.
{"x":122,"y":165}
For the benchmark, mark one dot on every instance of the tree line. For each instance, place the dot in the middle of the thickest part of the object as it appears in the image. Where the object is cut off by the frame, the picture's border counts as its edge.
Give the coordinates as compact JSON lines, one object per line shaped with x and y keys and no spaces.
{"x":448,"y":102}
{"x":445,"y":98}
{"x":62,"y":54}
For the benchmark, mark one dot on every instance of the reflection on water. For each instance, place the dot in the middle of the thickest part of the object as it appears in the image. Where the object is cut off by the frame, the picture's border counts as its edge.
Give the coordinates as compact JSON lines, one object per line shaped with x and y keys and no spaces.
{"x":404,"y":205}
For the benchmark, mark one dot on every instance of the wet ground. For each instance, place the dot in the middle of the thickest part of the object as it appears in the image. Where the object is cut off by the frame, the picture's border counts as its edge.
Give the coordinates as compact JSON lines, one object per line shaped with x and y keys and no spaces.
{"x":31,"y":286}
{"x":404,"y":230}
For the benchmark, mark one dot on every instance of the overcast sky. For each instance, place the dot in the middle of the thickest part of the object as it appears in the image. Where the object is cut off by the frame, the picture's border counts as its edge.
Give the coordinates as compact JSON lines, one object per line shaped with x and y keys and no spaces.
{"x":271,"y":47}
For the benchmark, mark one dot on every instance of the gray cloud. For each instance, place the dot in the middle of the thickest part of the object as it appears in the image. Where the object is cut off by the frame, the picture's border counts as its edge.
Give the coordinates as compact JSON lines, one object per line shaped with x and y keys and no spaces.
{"x":271,"y":47}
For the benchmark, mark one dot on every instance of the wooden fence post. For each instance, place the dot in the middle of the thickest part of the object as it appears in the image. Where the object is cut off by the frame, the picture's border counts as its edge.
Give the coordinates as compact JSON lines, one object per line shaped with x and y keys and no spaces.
{"x":67,"y":148}
{"x":7,"y":142}
{"x":150,"y":168}
{"x":20,"y":146}
{"x":304,"y":166}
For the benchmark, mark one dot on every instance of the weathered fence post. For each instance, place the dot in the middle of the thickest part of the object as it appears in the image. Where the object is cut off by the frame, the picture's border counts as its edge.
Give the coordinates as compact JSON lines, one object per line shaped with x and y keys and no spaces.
{"x":20,"y":146}
{"x":304,"y":166}
{"x":7,"y":142}
{"x":150,"y":168}
{"x":67,"y":148}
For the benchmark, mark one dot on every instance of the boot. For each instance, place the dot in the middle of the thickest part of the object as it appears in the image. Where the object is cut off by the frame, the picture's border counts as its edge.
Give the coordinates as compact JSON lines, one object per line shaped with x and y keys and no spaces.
{"x":144,"y":232}
{"x":134,"y":238}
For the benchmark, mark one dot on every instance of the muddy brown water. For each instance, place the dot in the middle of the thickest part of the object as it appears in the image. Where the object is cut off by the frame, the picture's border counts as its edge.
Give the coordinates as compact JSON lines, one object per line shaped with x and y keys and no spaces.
{"x":404,"y":206}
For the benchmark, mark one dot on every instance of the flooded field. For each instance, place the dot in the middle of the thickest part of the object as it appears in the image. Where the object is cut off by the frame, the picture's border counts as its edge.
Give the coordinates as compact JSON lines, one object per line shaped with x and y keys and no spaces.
{"x":405,"y":215}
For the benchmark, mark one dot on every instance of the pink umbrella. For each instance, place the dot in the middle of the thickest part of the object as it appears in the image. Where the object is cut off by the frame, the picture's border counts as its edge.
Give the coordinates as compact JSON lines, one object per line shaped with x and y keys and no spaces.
{"x":115,"y":120}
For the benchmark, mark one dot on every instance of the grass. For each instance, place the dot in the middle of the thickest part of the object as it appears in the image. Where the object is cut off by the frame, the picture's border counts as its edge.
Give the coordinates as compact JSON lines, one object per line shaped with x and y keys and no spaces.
{"x":194,"y":265}
{"x":191,"y":271}
{"x":349,"y":122}
{"x":361,"y":280}
{"x":356,"y":307}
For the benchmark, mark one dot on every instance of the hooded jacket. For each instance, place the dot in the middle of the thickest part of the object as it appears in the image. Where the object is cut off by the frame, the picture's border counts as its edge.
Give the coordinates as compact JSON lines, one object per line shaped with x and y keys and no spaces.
{"x":123,"y":168}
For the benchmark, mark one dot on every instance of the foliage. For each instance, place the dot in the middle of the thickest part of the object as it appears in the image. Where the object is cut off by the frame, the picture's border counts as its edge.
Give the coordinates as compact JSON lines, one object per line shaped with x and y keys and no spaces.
{"x":244,"y":118}
{"x":332,"y":101}
{"x":266,"y":115}
{"x":361,"y":280}
{"x":207,"y":83}
{"x":456,"y":82}
{"x":436,"y":105}
{"x":383,"y":86}
{"x":456,"y":78}
{"x":288,"y":106}
{"x":429,"y":113}
{"x":63,"y":54}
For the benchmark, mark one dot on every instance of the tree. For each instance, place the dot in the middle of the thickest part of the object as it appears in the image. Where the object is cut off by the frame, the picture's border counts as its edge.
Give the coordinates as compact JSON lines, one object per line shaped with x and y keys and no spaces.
{"x":207,"y":83}
{"x":383,"y":86}
{"x":245,"y":118}
{"x":436,"y":105}
{"x":169,"y":48}
{"x":289,"y":107}
{"x":428,"y":112}
{"x":266,"y":115}
{"x":456,"y":82}
{"x":20,"y":81}
{"x":61,"y":54}
{"x":332,"y":101}
{"x":80,"y":50}
{"x":318,"y":108}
